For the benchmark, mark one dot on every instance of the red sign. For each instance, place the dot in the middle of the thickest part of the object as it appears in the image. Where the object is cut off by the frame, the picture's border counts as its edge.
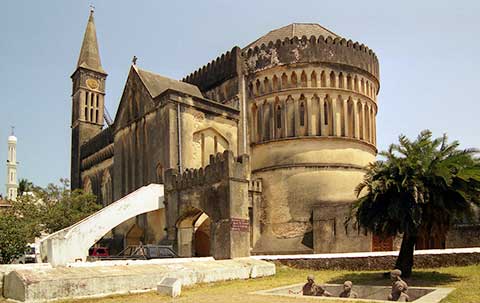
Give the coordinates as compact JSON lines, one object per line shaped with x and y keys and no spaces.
{"x":240,"y":225}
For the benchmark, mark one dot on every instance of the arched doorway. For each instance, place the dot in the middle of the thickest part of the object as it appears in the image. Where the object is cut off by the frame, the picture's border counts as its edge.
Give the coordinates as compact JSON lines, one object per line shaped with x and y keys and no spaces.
{"x":193,"y":234}
{"x":202,"y":236}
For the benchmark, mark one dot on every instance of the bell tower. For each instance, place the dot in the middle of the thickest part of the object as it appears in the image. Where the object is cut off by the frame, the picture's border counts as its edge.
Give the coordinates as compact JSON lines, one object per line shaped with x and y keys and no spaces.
{"x":88,"y":96}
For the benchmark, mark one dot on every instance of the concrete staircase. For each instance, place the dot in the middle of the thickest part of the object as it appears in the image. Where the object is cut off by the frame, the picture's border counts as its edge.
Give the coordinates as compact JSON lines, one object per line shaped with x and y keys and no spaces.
{"x":72,"y":243}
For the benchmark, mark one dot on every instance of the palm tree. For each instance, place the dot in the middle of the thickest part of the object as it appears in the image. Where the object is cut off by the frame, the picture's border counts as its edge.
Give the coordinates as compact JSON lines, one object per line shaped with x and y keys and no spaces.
{"x":24,"y":186}
{"x":424,"y":185}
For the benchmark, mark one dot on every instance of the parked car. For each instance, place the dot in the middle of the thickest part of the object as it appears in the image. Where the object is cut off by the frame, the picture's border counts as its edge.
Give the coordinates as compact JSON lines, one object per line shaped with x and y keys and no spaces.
{"x":143,"y":252}
{"x":29,"y":256}
{"x":98,"y":252}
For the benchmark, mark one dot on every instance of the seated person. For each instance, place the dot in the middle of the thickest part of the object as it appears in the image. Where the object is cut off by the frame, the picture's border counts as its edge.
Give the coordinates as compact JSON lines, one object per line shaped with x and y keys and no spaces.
{"x":399,"y":287}
{"x":312,"y":289}
{"x":347,"y":291}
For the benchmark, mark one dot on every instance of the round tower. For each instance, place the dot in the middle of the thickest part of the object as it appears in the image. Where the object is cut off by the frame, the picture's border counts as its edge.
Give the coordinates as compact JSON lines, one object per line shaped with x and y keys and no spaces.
{"x":312,"y":107}
{"x":12,"y":184}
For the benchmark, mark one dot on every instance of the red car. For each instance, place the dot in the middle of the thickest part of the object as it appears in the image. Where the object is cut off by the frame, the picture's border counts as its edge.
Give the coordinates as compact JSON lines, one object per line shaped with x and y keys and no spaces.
{"x":98,"y":252}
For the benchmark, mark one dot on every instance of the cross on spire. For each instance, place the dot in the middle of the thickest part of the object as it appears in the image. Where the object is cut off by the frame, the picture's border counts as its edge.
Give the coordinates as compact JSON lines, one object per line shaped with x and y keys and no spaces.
{"x":13,"y":130}
{"x":92,"y":8}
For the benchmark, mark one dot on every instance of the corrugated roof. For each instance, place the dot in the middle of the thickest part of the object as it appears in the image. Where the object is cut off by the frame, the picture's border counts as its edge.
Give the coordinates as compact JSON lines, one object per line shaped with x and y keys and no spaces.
{"x":157,"y":84}
{"x":292,"y":30}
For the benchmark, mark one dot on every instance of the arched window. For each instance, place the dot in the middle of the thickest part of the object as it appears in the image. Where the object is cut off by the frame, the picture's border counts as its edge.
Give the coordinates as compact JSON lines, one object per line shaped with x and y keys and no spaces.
{"x":303,"y":79}
{"x":284,"y":81}
{"x":87,"y":185}
{"x":302,"y":114}
{"x":313,"y":79}
{"x":294,"y":79}
{"x":323,"y":79}
{"x":325,"y":112}
{"x":266,"y":85}
{"x":349,"y":82}
{"x":332,"y":80}
{"x":341,"y":80}
{"x":276,"y":84}
{"x":278,"y":115}
{"x":258,"y":87}
{"x":86,"y":105}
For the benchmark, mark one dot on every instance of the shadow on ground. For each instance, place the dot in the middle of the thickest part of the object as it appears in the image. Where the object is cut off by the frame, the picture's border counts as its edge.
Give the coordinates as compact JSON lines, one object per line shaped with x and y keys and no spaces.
{"x":421,"y":278}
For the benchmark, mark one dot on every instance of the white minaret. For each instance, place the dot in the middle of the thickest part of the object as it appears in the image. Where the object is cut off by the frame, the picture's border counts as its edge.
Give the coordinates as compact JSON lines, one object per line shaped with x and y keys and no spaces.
{"x":12,"y":168}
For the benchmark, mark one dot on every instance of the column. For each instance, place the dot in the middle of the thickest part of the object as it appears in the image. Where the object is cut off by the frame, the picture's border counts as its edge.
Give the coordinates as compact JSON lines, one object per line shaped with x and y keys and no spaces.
{"x":322,"y":115}
{"x":308,"y":119}
{"x":363,"y":121}
{"x":335,"y":119}
{"x":345,"y":115}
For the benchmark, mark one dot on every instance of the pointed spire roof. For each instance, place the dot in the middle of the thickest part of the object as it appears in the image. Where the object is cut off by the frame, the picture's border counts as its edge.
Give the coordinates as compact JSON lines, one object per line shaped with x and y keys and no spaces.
{"x":89,"y":55}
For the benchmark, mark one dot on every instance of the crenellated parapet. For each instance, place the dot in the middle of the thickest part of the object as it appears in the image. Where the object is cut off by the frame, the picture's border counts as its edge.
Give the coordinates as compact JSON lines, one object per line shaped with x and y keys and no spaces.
{"x":255,"y":186}
{"x":222,"y":167}
{"x":312,"y":50}
{"x":217,"y":71}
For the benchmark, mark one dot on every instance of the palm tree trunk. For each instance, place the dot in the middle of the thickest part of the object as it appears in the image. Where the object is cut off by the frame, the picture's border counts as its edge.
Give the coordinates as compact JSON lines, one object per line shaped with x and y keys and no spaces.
{"x":405,"y":257}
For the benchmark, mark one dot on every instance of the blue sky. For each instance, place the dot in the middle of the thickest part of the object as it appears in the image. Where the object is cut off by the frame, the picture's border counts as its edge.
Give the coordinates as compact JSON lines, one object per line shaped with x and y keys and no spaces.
{"x":428,"y":53}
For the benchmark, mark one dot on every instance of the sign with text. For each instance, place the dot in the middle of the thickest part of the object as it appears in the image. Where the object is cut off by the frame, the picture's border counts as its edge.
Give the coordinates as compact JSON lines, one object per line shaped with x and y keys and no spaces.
{"x":240,"y":224}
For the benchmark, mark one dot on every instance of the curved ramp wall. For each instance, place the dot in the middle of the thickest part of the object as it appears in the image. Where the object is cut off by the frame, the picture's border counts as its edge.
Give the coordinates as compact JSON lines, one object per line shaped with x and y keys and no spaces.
{"x":72,"y":243}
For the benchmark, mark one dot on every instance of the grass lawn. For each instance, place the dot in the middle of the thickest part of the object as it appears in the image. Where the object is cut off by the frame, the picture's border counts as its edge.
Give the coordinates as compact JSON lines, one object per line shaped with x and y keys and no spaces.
{"x":466,"y":280}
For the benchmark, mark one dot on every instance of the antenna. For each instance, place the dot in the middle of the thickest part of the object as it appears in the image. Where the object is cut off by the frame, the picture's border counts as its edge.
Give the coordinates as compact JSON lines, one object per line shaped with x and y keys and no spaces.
{"x":13,"y":130}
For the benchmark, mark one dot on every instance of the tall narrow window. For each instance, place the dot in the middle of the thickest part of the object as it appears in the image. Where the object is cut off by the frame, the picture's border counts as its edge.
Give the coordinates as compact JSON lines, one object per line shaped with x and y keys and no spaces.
{"x":259,"y":88}
{"x":303,"y":79}
{"x":276,"y":85}
{"x":302,"y":114}
{"x":341,"y":81}
{"x":323,"y":79}
{"x":86,"y":106}
{"x":332,"y":80}
{"x":313,"y":79}
{"x":325,"y":112}
{"x":294,"y":79}
{"x":284,"y":81}
{"x":266,"y":85}
{"x":279,"y":116}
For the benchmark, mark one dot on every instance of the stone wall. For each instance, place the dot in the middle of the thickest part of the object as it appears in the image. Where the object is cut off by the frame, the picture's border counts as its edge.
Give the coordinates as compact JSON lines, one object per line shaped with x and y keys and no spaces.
{"x":379,"y":260}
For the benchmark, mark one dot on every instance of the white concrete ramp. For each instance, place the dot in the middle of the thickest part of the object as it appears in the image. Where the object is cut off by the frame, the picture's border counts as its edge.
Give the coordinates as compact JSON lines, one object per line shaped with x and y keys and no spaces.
{"x":72,"y":243}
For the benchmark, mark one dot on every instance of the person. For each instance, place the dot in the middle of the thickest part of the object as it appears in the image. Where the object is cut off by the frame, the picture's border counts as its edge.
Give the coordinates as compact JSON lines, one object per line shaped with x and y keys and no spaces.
{"x":309,"y":288}
{"x":312,"y":289}
{"x":321,"y":292}
{"x":399,"y":287}
{"x":347,"y":290}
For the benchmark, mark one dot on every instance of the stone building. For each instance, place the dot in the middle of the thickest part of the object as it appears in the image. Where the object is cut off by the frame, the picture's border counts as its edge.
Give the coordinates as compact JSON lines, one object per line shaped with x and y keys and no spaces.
{"x":297,"y":107}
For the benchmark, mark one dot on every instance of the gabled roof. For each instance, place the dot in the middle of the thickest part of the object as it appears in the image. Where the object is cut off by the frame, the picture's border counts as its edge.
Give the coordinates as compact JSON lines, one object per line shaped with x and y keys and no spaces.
{"x":157,"y":84}
{"x":292,"y":30}
{"x":89,"y":55}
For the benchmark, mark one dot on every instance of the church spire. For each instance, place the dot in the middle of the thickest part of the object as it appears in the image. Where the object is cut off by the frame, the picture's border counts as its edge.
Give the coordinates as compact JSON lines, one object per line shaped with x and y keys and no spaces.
{"x":89,"y":55}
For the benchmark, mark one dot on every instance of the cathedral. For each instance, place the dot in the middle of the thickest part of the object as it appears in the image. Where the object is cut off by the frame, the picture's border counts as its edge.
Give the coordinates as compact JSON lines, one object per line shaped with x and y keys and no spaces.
{"x":298,"y":105}
{"x":259,"y":150}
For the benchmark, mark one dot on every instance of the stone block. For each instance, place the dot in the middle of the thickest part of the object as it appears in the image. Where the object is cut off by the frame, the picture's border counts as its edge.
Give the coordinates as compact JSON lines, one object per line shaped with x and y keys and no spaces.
{"x":94,"y":280}
{"x":170,"y":286}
